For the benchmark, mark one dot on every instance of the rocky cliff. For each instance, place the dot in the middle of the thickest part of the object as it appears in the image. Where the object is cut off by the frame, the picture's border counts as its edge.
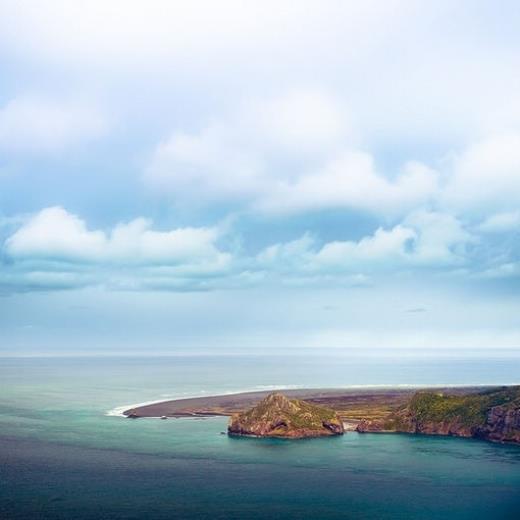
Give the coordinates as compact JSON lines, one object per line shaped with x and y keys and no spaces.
{"x":278,"y":416}
{"x":493,"y":415}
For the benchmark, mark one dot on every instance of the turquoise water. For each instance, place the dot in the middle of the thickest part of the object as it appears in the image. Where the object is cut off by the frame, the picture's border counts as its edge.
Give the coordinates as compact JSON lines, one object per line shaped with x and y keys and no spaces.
{"x":62,"y":455}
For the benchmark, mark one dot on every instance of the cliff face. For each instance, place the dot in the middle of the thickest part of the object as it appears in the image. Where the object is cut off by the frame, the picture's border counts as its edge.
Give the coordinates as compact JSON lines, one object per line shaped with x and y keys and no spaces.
{"x":277,"y":416}
{"x":502,"y":424}
{"x":492,"y":415}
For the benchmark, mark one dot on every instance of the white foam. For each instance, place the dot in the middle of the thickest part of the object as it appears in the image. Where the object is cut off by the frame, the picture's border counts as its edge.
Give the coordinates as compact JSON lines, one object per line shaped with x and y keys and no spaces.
{"x":118,"y":410}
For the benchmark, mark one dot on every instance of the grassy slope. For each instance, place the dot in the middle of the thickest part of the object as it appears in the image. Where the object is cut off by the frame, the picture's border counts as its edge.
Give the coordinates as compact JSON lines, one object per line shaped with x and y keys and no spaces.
{"x":468,"y":410}
{"x":297,"y":414}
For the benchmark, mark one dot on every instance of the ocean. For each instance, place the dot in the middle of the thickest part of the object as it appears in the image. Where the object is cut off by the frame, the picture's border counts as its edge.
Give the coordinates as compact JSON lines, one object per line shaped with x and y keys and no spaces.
{"x":66,"y":453}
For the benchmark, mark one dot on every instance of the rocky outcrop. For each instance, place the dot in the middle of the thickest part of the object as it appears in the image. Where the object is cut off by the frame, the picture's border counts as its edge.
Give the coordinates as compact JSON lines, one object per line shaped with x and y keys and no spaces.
{"x":278,"y":416}
{"x":492,"y":415}
{"x":502,"y":424}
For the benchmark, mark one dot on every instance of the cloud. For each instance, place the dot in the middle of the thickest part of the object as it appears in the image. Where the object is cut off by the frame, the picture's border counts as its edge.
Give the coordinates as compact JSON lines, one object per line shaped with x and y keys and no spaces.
{"x":432,"y":240}
{"x":32,"y":124}
{"x":55,"y":234}
{"x":55,"y":247}
{"x":277,"y":160}
{"x":441,"y":238}
{"x":204,"y":167}
{"x":288,"y":154}
{"x":303,"y":121}
{"x":383,"y":248}
{"x":501,"y":223}
{"x":241,"y":156}
{"x":503,"y":270}
{"x":486,"y":177}
{"x":351,"y":181}
{"x":125,"y":33}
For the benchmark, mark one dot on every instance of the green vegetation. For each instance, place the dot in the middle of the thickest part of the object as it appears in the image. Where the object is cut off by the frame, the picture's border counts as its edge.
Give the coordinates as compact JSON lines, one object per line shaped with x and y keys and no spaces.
{"x":299,"y":414}
{"x":468,"y":410}
{"x":278,"y":416}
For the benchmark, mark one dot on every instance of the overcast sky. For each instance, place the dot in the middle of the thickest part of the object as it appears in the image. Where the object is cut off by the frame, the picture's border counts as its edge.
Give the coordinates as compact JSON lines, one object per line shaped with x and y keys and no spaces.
{"x":207,"y":176}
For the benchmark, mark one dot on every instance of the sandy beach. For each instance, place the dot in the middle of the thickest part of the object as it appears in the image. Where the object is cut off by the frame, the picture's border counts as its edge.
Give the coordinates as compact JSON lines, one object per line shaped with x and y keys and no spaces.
{"x":352,"y":404}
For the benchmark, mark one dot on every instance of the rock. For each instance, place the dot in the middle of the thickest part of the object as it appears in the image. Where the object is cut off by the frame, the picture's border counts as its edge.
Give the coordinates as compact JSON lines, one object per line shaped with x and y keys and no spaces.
{"x":278,"y":416}
{"x":371,"y":426}
{"x":492,"y":415}
{"x":502,"y":424}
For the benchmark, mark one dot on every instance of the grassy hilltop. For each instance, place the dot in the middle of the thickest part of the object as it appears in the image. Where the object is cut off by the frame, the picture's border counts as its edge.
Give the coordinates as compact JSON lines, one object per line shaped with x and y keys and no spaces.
{"x":278,"y":416}
{"x":492,"y":414}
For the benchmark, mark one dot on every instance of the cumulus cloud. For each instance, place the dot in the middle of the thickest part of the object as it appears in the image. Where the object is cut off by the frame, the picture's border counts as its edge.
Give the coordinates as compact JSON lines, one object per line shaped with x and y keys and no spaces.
{"x":204,"y":167}
{"x":486,"y":177}
{"x":289,"y":154}
{"x":441,"y":239}
{"x":351,"y":181}
{"x":55,"y":234}
{"x":55,"y":245}
{"x":281,"y":168}
{"x":501,"y":223}
{"x":241,"y":156}
{"x":57,"y":249}
{"x":424,"y":239}
{"x":31,"y":124}
{"x":383,"y":248}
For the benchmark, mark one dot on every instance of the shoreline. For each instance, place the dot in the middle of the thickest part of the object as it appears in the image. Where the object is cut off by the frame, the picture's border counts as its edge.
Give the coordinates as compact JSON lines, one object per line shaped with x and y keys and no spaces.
{"x":348,"y":401}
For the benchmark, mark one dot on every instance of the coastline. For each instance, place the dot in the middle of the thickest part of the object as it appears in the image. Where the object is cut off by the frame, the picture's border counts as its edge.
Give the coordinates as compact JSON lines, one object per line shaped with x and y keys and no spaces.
{"x":118,"y":411}
{"x":373,"y":396}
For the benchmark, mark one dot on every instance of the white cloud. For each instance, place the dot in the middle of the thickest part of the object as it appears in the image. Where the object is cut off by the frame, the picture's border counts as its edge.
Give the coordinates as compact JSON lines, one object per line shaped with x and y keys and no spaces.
{"x":56,"y":249}
{"x":486,"y":177}
{"x":204,"y":167}
{"x":501,"y":223}
{"x":242,"y":156}
{"x":302,"y":121}
{"x":351,"y":181}
{"x":383,"y":248}
{"x":123,"y":33}
{"x":423,"y":239}
{"x":56,"y":235}
{"x":505,"y":270}
{"x":28,"y":123}
{"x":441,"y":238}
{"x":285,"y":155}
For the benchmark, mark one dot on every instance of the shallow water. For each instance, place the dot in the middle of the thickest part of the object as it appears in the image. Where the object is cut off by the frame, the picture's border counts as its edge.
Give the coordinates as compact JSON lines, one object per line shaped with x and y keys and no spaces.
{"x":61,"y":456}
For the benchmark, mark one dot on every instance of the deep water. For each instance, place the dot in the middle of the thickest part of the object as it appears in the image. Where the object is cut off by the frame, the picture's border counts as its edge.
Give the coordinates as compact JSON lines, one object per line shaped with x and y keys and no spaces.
{"x":62,"y":457}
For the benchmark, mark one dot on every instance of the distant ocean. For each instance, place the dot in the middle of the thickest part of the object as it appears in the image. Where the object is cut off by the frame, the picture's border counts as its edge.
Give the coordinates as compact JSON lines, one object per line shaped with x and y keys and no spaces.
{"x":64,"y":452}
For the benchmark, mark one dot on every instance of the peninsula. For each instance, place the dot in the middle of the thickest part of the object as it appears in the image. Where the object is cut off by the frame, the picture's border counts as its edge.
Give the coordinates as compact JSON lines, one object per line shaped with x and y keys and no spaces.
{"x":490,"y":413}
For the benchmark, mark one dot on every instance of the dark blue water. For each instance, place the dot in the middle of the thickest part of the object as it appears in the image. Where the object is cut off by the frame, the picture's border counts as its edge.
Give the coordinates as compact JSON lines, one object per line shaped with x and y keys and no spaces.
{"x":61,"y":456}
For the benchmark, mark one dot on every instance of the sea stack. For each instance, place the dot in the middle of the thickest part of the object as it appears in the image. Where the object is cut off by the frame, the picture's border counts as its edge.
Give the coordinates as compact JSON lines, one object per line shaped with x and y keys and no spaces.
{"x":278,"y":416}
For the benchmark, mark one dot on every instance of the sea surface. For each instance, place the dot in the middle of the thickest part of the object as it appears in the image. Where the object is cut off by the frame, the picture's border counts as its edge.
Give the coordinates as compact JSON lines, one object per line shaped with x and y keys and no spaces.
{"x":66,"y":453}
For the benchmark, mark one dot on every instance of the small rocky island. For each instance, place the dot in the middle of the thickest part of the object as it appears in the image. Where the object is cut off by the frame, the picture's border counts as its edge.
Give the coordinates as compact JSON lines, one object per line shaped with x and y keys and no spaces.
{"x":278,"y":416}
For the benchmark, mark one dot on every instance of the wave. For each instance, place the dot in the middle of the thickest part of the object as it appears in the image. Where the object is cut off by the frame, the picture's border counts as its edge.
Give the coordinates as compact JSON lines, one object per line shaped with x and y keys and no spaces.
{"x":118,"y":410}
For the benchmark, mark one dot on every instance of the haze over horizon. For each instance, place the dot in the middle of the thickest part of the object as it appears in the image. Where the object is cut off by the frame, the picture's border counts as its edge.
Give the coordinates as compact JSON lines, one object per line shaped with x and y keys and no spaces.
{"x":250,"y":176}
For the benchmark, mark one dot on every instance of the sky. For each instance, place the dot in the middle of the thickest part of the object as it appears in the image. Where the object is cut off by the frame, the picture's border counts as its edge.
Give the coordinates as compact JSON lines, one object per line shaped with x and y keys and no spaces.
{"x":259,"y":176}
